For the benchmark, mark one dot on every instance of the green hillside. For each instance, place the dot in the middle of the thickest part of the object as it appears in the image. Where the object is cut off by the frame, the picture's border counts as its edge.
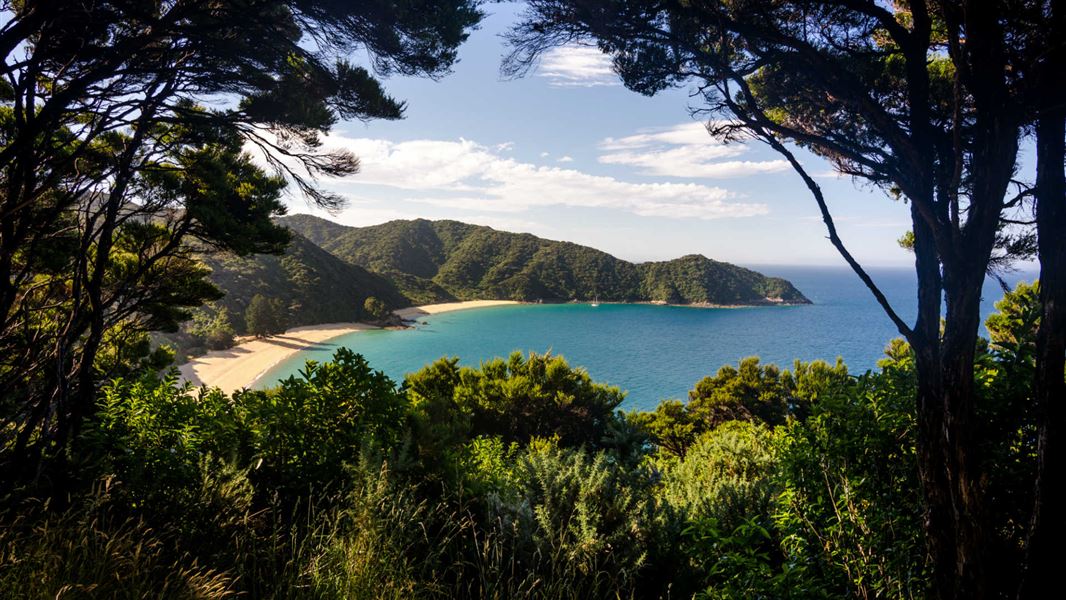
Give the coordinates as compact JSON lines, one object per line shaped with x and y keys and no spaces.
{"x":315,"y":286}
{"x":439,"y":261}
{"x":696,"y":279}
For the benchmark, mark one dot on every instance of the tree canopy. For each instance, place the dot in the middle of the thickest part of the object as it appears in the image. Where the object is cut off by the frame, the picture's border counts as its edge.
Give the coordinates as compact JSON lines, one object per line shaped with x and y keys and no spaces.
{"x":124,"y":135}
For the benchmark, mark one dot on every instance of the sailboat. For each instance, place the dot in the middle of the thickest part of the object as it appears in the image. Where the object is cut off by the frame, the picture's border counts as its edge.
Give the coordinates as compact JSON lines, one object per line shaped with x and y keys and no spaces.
{"x":595,"y":301}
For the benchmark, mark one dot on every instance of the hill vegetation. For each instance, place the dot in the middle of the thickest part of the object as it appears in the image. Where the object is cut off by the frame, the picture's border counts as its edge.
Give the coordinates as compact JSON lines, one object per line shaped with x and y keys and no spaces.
{"x":304,"y":286}
{"x":314,"y":286}
{"x":441,"y":261}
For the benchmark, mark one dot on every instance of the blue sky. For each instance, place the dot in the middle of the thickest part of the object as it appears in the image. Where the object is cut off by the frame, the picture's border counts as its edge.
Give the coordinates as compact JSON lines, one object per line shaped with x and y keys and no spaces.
{"x":567,"y":153}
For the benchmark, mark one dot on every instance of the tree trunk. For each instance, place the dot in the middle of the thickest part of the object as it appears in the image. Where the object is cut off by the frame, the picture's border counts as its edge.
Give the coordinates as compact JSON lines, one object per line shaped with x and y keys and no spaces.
{"x":1048,"y":525}
{"x":972,"y":545}
{"x":939,"y":524}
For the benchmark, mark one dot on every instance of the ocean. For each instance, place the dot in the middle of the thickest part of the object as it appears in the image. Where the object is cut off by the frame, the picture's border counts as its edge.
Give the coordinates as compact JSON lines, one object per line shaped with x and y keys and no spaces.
{"x":657,"y":352}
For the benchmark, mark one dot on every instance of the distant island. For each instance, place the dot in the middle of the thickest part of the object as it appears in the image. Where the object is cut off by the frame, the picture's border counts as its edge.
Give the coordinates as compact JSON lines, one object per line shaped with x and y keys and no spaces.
{"x":329,"y":271}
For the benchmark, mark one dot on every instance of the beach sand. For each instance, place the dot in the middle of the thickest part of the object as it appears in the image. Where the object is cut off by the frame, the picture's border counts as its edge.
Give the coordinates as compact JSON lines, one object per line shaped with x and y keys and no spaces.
{"x":431,"y":309}
{"x":240,"y":366}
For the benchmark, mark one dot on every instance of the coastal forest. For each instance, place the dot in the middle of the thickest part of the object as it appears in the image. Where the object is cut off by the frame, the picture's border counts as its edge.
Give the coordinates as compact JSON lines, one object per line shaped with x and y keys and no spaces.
{"x":145,"y":151}
{"x":329,"y":272}
{"x":444,"y":261}
{"x":425,"y":262}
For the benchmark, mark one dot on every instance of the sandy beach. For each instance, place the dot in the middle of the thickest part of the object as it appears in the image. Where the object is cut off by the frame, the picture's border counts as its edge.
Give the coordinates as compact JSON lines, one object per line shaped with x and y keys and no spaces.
{"x":240,"y":366}
{"x":431,"y":309}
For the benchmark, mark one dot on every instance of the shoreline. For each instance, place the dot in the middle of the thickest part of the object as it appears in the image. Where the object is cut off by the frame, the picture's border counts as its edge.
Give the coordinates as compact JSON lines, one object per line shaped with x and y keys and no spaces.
{"x":700,"y":304}
{"x":243,"y":365}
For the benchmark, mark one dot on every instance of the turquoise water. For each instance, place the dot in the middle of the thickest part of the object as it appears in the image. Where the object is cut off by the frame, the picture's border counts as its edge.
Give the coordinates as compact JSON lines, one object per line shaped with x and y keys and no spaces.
{"x":655,"y":352}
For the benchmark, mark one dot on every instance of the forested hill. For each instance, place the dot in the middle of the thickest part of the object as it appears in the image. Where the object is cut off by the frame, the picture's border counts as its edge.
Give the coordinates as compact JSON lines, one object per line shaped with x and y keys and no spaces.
{"x":313,"y":285}
{"x":438,"y":261}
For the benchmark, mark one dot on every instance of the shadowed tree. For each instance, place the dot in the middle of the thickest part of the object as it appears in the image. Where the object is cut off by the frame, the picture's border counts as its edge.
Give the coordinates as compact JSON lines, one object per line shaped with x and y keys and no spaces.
{"x":924,"y":99}
{"x":1044,"y":64}
{"x":264,"y":316}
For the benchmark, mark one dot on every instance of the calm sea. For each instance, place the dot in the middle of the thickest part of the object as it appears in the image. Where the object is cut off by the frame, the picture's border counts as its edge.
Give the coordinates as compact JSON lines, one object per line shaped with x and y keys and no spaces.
{"x":657,"y":352}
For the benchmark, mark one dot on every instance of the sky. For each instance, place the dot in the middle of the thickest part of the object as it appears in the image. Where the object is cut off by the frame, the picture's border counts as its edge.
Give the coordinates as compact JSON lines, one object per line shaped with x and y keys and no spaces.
{"x":567,"y":153}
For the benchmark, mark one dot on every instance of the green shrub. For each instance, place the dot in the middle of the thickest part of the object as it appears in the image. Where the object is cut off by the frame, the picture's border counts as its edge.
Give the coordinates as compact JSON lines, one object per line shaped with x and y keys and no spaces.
{"x":850,"y":505}
{"x":157,"y":438}
{"x":725,"y":476}
{"x":518,"y":399}
{"x":748,"y":392}
{"x":578,"y":525}
{"x":307,"y":429}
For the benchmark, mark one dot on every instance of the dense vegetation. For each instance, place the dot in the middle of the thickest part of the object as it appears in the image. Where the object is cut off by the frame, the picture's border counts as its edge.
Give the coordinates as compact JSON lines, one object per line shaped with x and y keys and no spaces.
{"x":517,"y":479}
{"x":438,"y":261}
{"x":311,"y":286}
{"x":314,"y":285}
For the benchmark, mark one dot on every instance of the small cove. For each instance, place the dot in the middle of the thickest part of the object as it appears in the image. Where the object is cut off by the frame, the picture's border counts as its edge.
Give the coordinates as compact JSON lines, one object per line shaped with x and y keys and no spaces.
{"x":653,"y":352}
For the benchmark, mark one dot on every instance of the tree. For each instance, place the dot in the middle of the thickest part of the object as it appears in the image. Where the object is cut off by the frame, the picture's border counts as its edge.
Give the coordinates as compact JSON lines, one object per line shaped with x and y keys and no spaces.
{"x":375,"y":308}
{"x":214,"y":327}
{"x":921,"y":98}
{"x":1046,"y":61}
{"x":264,"y":316}
{"x":105,"y":134}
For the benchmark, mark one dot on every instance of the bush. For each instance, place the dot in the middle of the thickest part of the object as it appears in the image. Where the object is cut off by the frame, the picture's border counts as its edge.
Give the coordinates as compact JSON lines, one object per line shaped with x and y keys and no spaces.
{"x":158,"y":437}
{"x":850,"y":505}
{"x":725,"y":476}
{"x":308,"y":428}
{"x":518,"y":399}
{"x":749,"y":392}
{"x":576,"y":526}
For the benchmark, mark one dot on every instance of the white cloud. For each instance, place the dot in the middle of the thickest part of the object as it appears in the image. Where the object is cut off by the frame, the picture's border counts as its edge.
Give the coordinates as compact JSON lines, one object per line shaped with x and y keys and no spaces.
{"x":466,"y":175}
{"x":577,"y":66}
{"x":686,"y":150}
{"x":685,"y":134}
{"x":829,"y":174}
{"x":564,"y":159}
{"x":544,"y":154}
{"x":505,"y":147}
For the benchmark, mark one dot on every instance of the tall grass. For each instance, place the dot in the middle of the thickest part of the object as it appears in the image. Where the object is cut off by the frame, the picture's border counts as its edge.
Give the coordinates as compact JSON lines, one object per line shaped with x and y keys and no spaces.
{"x":94,"y":554}
{"x":381,"y":542}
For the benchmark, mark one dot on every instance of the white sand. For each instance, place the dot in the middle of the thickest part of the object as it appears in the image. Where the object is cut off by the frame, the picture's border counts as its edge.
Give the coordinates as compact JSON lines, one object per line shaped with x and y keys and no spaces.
{"x":240,"y":366}
{"x":431,"y":309}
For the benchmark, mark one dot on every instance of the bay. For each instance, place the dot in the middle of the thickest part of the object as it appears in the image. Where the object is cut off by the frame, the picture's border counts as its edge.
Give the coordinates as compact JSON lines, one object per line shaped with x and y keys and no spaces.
{"x":657,"y":352}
